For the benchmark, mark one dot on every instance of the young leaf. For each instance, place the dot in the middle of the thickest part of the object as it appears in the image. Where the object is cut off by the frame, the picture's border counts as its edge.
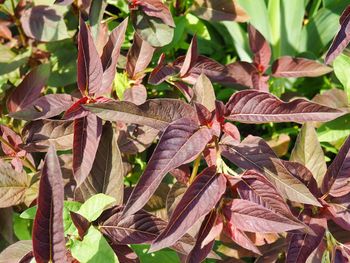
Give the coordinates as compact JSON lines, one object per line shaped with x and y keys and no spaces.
{"x":203,"y":92}
{"x":110,"y":55}
{"x":48,"y":233}
{"x":251,"y":106}
{"x":155,"y":113}
{"x":219,"y":10}
{"x":139,"y":56}
{"x":260,"y":48}
{"x":302,"y":245}
{"x":336,"y":180}
{"x":249,"y":216}
{"x":342,"y":38}
{"x":29,"y":89}
{"x":90,"y":69}
{"x":308,"y":151}
{"x":87,"y":134}
{"x":81,"y":223}
{"x":190,"y":58}
{"x":200,"y":198}
{"x":254,"y":153}
{"x":180,"y":143}
{"x":95,"y":205}
{"x":289,"y":67}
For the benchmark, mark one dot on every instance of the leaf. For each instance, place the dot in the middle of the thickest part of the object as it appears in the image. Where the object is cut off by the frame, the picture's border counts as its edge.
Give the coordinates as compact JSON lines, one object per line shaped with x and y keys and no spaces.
{"x":336,"y":180}
{"x":44,"y":23}
{"x":95,"y":205}
{"x":15,"y":252}
{"x":107,"y":173}
{"x":290,"y":67}
{"x":341,"y":69}
{"x":219,"y":10}
{"x":180,"y":143}
{"x":48,"y":232}
{"x":29,"y":89}
{"x":200,"y":198}
{"x":152,"y":29}
{"x":139,"y":56}
{"x":38,"y":135}
{"x":335,"y":130}
{"x":155,"y":8}
{"x":81,"y":223}
{"x":161,"y":72}
{"x":110,"y":55}
{"x":308,"y":151}
{"x":93,"y":248}
{"x":137,"y":94}
{"x":302,"y":245}
{"x":249,"y":216}
{"x":87,"y":134}
{"x":190,"y":58}
{"x":45,"y":107}
{"x":203,"y":92}
{"x":242,"y":72}
{"x":155,"y":113}
{"x":13,"y":185}
{"x":201,"y":251}
{"x":341,"y":40}
{"x":251,"y":106}
{"x":260,"y":48}
{"x":90,"y":69}
{"x":254,"y":153}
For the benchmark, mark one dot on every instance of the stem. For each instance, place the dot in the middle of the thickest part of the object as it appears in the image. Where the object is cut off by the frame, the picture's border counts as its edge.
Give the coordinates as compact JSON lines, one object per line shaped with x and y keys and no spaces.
{"x":18,"y":24}
{"x":195,"y":168}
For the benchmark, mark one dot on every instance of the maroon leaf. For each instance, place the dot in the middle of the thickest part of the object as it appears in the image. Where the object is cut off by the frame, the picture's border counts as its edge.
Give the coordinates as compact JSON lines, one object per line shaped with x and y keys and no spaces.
{"x":200,"y":198}
{"x":339,"y":209}
{"x":90,"y":69}
{"x":260,"y":47}
{"x":290,"y":67}
{"x":184,"y":89}
{"x":48,"y":233}
{"x":249,"y":106}
{"x":249,"y":216}
{"x":12,"y":139}
{"x":180,"y":143}
{"x":242,"y":72}
{"x":190,"y":58}
{"x":302,"y":245}
{"x":156,"y":113}
{"x":15,"y":252}
{"x":201,"y":251}
{"x":81,"y":223}
{"x":336,"y":180}
{"x":260,"y":82}
{"x":29,"y":89}
{"x":203,"y":92}
{"x":155,"y":8}
{"x":110,"y":55}
{"x":87,"y":134}
{"x":161,"y":72}
{"x":45,"y":107}
{"x":124,"y":253}
{"x":342,"y":38}
{"x":137,"y":94}
{"x":139,"y":56}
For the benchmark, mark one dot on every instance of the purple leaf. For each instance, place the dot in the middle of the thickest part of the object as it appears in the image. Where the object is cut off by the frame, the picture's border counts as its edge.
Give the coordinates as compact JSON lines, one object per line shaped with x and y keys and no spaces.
{"x":200,"y":198}
{"x":87,"y":134}
{"x":260,"y":47}
{"x":81,"y":223}
{"x":156,"y":8}
{"x":342,"y":38}
{"x":190,"y":58}
{"x":180,"y":143}
{"x":156,"y":113}
{"x":336,"y":180}
{"x":90,"y":69}
{"x":45,"y":107}
{"x":302,"y":245}
{"x":203,"y":93}
{"x":289,"y":67}
{"x":161,"y":72}
{"x":255,"y":153}
{"x":137,"y":94}
{"x":48,"y":233}
{"x":11,"y":138}
{"x":184,"y":89}
{"x":139,"y":56}
{"x":29,"y":89}
{"x":16,"y":251}
{"x":249,"y":216}
{"x":242,"y":72}
{"x":110,"y":55}
{"x":249,"y":106}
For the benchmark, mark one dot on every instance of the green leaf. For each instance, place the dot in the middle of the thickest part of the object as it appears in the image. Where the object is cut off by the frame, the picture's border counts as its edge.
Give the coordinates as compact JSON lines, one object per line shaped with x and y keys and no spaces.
{"x":13,"y":64}
{"x":22,"y":227}
{"x":341,"y":67}
{"x":164,"y":255}
{"x":95,"y":205}
{"x":93,"y":248}
{"x":334,"y":130}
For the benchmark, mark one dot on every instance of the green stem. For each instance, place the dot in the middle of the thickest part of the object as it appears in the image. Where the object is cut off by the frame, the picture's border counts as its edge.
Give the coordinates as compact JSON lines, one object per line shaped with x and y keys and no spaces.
{"x":195,"y":168}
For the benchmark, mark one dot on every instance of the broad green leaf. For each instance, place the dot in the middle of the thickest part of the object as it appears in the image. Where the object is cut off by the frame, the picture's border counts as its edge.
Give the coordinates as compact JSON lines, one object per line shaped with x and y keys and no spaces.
{"x":164,"y":255}
{"x":22,"y":227}
{"x":95,"y":205}
{"x":341,"y":67}
{"x":308,"y":151}
{"x":93,"y":248}
{"x":13,"y":64}
{"x":275,"y":26}
{"x":334,"y":130}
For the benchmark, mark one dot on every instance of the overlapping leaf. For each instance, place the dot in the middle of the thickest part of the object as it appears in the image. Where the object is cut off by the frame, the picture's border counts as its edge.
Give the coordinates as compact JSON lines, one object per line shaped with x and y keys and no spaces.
{"x":203,"y":92}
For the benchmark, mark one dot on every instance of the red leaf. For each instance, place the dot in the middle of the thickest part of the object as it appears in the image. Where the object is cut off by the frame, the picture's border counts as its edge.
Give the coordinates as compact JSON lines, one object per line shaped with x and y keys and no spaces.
{"x":260,"y":48}
{"x":110,"y":55}
{"x":48,"y":235}
{"x":200,"y":198}
{"x":156,"y":8}
{"x":342,"y":39}
{"x":249,"y":106}
{"x":180,"y":143}
{"x":81,"y":223}
{"x":161,"y":72}
{"x":90,"y":69}
{"x":184,"y":89}
{"x":29,"y":89}
{"x":76,"y":111}
{"x":87,"y":134}
{"x":290,"y":67}
{"x":242,"y":72}
{"x":190,"y":58}
{"x":12,"y":138}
